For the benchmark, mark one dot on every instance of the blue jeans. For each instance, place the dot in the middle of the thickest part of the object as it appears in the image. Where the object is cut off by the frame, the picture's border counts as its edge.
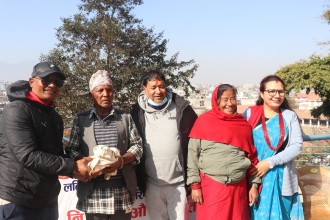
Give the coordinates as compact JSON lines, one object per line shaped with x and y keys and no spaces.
{"x":13,"y":211}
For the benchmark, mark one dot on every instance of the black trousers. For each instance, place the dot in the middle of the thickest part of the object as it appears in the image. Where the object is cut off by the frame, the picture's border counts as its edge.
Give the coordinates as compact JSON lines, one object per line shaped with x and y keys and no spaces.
{"x":119,"y":215}
{"x":13,"y":211}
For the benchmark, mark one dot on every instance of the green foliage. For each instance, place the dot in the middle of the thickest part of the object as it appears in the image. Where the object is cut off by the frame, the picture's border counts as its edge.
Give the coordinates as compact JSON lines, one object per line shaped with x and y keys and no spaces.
{"x":310,"y":74}
{"x":106,"y":35}
{"x":326,"y":16}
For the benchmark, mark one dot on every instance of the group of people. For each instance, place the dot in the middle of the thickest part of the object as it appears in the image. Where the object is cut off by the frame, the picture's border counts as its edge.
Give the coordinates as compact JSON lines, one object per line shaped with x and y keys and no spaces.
{"x":233,"y":166}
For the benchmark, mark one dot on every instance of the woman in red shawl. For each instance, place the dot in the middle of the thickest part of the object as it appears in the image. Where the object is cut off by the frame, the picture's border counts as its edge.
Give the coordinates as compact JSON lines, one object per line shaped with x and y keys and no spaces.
{"x":220,"y":154}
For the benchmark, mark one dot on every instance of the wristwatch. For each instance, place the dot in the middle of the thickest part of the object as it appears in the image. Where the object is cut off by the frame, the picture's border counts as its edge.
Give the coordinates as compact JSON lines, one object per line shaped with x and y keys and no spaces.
{"x":255,"y":185}
{"x":270,"y":165}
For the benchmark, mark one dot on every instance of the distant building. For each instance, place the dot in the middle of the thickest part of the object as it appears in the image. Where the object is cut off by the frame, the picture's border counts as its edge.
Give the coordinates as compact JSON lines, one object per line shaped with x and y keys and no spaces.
{"x":307,"y":101}
{"x":306,"y":119}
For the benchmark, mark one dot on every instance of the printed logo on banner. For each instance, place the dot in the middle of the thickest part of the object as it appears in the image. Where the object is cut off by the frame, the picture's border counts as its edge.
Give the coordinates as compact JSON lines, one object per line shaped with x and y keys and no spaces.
{"x":75,"y":215}
{"x":140,"y":211}
{"x":70,"y":186}
{"x":68,"y":199}
{"x":139,"y":194}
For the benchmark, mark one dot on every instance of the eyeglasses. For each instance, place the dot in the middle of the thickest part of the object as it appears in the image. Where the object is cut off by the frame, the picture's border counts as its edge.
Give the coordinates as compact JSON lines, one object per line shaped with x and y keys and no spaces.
{"x":272,"y":92}
{"x":46,"y":81}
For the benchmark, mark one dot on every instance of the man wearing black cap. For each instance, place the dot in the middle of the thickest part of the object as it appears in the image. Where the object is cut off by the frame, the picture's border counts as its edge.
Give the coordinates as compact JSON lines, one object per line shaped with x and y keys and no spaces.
{"x":31,"y":151}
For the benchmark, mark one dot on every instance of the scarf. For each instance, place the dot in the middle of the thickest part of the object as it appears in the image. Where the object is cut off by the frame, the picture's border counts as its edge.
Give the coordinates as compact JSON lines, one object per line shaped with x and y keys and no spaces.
{"x":33,"y":97}
{"x":218,"y":126}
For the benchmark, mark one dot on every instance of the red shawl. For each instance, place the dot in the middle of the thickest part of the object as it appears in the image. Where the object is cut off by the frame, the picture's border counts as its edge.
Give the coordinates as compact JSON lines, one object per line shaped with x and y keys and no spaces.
{"x":255,"y":114}
{"x":218,"y":126}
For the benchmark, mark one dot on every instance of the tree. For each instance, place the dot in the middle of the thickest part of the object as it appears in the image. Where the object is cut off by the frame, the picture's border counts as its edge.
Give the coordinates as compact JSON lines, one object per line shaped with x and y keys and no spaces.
{"x":106,"y":35}
{"x":310,"y":74}
{"x":326,"y":17}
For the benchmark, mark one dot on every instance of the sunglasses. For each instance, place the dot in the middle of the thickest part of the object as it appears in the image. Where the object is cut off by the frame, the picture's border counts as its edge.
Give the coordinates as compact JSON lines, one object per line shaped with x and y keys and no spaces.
{"x":45,"y":81}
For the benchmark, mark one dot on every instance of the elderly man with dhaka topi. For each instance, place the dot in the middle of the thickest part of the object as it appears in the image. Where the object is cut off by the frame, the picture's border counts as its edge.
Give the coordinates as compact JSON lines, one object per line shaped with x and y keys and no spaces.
{"x":104,"y":125}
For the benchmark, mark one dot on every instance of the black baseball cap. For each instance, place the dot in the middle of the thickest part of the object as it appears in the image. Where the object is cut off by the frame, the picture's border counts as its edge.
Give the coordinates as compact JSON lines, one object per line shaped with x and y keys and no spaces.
{"x":46,"y":68}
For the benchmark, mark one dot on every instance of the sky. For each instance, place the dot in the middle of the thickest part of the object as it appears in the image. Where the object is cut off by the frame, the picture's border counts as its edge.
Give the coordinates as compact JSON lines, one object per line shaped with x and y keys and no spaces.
{"x":232,"y":41}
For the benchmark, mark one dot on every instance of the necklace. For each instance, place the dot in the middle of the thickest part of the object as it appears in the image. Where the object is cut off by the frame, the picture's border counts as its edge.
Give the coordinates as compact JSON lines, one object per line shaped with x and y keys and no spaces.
{"x":264,"y":128}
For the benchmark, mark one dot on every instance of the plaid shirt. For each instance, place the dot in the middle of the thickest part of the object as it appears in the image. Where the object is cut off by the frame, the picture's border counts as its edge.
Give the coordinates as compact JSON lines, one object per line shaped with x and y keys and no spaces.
{"x":106,"y":200}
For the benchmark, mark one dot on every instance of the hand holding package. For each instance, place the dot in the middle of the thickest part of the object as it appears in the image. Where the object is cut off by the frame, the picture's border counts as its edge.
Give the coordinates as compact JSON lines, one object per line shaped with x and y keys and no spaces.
{"x":103,"y":156}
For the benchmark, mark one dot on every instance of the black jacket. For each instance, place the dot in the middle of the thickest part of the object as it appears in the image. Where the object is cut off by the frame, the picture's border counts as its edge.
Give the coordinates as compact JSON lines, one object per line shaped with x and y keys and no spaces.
{"x":31,"y":151}
{"x":185,"y":118}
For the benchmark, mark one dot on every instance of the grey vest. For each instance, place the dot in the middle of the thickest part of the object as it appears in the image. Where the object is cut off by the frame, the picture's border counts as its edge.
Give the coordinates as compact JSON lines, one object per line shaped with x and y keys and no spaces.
{"x":88,"y":141}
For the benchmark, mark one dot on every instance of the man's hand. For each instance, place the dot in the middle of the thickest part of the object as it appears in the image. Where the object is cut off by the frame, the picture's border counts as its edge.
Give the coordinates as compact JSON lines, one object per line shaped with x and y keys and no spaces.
{"x":111,"y":167}
{"x":94,"y":173}
{"x":81,"y":170}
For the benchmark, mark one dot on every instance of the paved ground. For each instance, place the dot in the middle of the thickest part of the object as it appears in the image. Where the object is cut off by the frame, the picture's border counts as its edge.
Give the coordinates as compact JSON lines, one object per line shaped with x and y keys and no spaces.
{"x":318,"y":213}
